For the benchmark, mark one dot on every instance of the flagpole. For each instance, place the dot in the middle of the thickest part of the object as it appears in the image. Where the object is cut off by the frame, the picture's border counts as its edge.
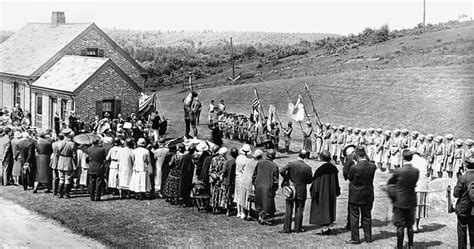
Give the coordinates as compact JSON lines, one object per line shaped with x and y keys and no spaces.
{"x":260,"y":103}
{"x":312,"y":103}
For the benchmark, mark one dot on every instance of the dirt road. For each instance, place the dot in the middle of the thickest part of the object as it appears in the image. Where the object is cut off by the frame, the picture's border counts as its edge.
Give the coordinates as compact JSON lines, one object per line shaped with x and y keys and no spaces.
{"x":20,"y":227}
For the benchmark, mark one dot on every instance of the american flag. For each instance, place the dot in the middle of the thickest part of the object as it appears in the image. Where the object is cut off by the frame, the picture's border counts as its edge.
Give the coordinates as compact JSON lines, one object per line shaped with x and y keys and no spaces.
{"x":255,"y":103}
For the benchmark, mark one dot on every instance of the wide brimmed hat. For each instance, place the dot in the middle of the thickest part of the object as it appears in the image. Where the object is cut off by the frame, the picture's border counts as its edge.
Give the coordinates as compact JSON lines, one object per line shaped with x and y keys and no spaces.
{"x":245,"y":149}
{"x":290,"y":192}
{"x":438,"y":139}
{"x":328,"y":125}
{"x":396,"y":132}
{"x":222,"y":151}
{"x":356,"y":130}
{"x":421,"y":137}
{"x":202,"y":146}
{"x":449,"y":136}
{"x":348,"y":150}
{"x":430,"y":137}
{"x":405,"y":131}
{"x":388,"y":132}
{"x":334,"y":127}
{"x":363,"y":131}
{"x":257,"y":153}
{"x":379,"y":130}
{"x":414,"y":133}
{"x":141,"y":142}
{"x":66,"y":131}
{"x":371,"y":130}
{"x":341,"y":128}
{"x":17,"y":134}
{"x":349,"y":128}
{"x":458,"y":142}
{"x":469,"y":142}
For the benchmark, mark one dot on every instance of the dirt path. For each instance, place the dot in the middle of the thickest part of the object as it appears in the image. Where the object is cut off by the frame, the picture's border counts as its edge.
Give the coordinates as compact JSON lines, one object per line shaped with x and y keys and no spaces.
{"x":20,"y":227}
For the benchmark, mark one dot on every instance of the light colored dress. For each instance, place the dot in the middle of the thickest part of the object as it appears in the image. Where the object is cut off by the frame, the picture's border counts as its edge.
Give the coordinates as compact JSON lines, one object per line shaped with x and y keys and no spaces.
{"x":160,"y":155}
{"x":140,"y":181}
{"x":439,"y":156}
{"x":395,"y":153}
{"x":240,"y":163}
{"x":421,"y":189}
{"x":113,"y":156}
{"x":83,"y":167}
{"x":125,"y":167}
{"x":458,"y":160}
{"x":246,"y":183}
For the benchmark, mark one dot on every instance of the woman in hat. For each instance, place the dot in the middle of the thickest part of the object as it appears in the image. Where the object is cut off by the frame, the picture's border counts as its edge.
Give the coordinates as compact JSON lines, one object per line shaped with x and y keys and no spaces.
{"x":324,"y":190}
{"x":142,"y":169}
{"x":113,"y":157}
{"x":82,"y":166}
{"x":16,"y":171}
{"x":171,"y":188}
{"x":216,"y":178}
{"x":378,"y":148}
{"x":395,"y":150}
{"x":334,"y":138}
{"x":240,"y":162}
{"x":126,"y":167}
{"x":307,"y":144}
{"x":246,"y":190}
{"x":430,"y":152}
{"x":43,"y":174}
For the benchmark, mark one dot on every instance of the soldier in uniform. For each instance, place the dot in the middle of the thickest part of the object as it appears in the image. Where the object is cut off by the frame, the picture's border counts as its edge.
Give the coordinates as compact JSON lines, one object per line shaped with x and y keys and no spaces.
{"x":327,"y":137}
{"x":370,"y":141}
{"x":334,"y":138}
{"x":378,"y":148}
{"x":405,"y":141}
{"x":467,"y":151}
{"x":439,"y":156}
{"x":448,"y":164}
{"x":430,"y":152}
{"x":287,"y":135}
{"x":318,"y":139}
{"x":458,"y":167}
{"x":395,"y":150}
{"x":307,"y":137}
{"x":363,"y":141}
{"x":414,"y":140}
{"x":66,"y":166}
{"x":341,"y":143}
{"x":277,"y":135}
{"x":350,"y":136}
{"x":386,"y":146}
{"x":421,"y":146}
{"x":356,"y":138}
{"x":253,"y":133}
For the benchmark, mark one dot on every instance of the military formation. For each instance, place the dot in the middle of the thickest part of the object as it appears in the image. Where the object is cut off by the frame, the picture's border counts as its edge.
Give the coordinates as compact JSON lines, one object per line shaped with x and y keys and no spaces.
{"x":384,"y":147}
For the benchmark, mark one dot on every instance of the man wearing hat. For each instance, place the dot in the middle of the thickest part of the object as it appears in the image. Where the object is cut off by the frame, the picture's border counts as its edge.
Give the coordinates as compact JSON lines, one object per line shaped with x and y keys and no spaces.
{"x":295,"y":174}
{"x":404,"y":201}
{"x":5,"y":157}
{"x":361,"y":196}
{"x":414,"y":139}
{"x":287,"y":135}
{"x":66,"y":162}
{"x":467,"y":152}
{"x":448,"y":164}
{"x":96,"y":172}
{"x":439,"y":156}
{"x":26,"y":156}
{"x":462,"y":191}
{"x":265,"y":181}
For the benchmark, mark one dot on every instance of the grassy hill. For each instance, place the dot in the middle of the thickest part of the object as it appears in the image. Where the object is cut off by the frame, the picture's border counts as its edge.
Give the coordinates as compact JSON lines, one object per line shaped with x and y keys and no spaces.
{"x":423,"y":82}
{"x":441,"y":48}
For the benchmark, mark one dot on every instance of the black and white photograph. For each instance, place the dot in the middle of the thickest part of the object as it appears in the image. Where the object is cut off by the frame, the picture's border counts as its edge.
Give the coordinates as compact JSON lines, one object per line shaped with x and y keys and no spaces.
{"x":237,"y":123}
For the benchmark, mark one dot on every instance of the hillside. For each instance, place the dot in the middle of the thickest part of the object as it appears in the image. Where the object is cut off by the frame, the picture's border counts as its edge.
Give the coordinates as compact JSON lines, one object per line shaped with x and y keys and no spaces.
{"x":446,"y":47}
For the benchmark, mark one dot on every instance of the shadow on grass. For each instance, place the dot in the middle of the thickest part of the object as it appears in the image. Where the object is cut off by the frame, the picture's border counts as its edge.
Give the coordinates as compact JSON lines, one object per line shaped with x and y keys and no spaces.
{"x":384,"y":235}
{"x":431,"y":227}
{"x":380,"y":223}
{"x":426,"y":244}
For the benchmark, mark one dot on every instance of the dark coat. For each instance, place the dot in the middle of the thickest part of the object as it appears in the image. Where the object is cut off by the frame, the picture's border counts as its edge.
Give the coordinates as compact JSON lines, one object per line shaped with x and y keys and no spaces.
{"x":204,"y":174}
{"x":404,"y":180}
{"x":96,"y":160}
{"x":44,"y":149}
{"x":265,"y":180}
{"x":361,"y":186}
{"x":187,"y":173}
{"x":216,"y":136}
{"x":299,"y":173}
{"x":229,"y":173}
{"x":324,"y":190}
{"x":349,"y":162}
{"x":463,"y":204}
{"x":155,"y":125}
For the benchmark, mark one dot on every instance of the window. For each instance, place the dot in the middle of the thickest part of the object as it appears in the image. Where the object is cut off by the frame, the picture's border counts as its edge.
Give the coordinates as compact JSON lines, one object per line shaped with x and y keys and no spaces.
{"x":107,"y":106}
{"x":111,"y":106}
{"x":39,"y":104}
{"x":18,"y":90}
{"x":94,"y":52}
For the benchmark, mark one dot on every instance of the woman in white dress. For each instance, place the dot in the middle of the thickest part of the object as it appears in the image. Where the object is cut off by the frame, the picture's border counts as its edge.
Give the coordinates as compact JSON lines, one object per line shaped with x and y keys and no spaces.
{"x":240,"y":163}
{"x":126,"y":168}
{"x":113,"y":157}
{"x":142,"y":169}
{"x":82,"y":167}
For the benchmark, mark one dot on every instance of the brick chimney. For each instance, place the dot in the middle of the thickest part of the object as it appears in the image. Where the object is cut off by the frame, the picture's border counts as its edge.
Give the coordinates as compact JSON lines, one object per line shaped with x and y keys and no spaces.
{"x":58,"y":18}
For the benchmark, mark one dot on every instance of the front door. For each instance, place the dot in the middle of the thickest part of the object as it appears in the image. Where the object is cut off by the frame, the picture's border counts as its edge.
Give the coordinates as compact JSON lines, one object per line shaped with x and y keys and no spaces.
{"x":53,"y":108}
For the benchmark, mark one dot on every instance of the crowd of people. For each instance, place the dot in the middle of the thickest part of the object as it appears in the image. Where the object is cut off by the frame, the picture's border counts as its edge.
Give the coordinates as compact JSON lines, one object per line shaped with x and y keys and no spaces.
{"x":131,"y":158}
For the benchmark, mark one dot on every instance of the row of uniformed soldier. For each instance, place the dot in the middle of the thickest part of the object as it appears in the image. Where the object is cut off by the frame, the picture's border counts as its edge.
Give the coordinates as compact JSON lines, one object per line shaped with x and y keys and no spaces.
{"x":443,"y":154}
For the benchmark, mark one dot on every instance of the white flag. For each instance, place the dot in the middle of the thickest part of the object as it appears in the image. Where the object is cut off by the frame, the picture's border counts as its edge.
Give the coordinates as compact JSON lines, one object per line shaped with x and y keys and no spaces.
{"x":296,"y":111}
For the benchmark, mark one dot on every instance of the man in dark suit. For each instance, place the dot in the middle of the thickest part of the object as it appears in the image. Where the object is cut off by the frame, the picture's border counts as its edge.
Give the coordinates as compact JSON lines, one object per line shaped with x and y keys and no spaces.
{"x":361,"y":196}
{"x":464,"y":205}
{"x":26,"y":155}
{"x":349,"y":154}
{"x":97,"y":156}
{"x":298,"y":174}
{"x":404,"y":202}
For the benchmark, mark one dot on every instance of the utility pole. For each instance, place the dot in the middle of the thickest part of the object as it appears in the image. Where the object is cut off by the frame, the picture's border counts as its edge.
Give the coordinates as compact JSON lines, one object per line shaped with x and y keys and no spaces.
{"x":424,"y":14}
{"x":232,"y":58}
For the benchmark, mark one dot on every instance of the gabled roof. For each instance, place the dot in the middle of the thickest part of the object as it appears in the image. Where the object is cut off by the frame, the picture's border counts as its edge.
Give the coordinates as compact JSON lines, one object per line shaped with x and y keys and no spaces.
{"x":71,"y":73}
{"x":34,"y":44}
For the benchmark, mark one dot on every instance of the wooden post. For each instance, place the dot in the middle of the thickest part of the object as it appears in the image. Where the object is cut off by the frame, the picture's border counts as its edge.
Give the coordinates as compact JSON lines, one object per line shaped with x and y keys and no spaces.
{"x":424,"y":14}
{"x":314,"y":108}
{"x":299,"y":122}
{"x":232,"y":58}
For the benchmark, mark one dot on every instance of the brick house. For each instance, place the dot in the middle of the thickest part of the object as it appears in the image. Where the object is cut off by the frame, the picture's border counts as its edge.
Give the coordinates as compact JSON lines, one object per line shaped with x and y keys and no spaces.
{"x":62,"y":67}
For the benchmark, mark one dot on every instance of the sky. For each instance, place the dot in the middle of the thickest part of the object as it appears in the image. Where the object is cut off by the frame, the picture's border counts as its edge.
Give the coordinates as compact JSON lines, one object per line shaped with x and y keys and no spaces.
{"x":307,"y":16}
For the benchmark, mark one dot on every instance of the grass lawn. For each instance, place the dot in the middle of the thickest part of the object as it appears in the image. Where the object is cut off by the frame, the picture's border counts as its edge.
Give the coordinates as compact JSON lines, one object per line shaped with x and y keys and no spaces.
{"x":126,"y":223}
